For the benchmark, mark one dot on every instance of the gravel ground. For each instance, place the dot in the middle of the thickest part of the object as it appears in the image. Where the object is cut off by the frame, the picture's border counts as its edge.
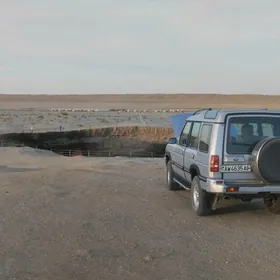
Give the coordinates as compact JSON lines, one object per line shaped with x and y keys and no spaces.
{"x":82,"y":218}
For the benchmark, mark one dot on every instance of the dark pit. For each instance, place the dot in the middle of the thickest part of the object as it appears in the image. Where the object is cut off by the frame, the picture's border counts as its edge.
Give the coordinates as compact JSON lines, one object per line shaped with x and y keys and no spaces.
{"x":111,"y":141}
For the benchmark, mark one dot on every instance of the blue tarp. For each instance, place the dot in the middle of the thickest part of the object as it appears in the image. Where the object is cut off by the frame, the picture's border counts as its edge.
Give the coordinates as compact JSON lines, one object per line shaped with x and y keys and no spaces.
{"x":178,"y":122}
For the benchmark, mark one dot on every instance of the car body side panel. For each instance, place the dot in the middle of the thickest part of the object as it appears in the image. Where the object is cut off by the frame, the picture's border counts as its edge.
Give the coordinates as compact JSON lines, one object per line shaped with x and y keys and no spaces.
{"x":173,"y":151}
{"x":190,"y":156}
{"x":178,"y":161}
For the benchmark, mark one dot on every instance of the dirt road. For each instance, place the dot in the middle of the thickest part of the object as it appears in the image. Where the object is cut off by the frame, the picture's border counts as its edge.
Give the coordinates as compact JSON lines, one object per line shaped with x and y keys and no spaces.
{"x":85,"y":219}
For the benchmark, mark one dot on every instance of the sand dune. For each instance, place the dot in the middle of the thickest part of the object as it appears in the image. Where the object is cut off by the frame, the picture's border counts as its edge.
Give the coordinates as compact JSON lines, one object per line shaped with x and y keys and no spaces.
{"x":156,"y":101}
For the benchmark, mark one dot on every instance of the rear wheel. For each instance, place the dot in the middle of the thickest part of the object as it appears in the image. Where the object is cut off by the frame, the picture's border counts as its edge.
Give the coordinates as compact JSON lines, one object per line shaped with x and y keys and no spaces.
{"x":201,"y":200}
{"x":273,"y":205}
{"x":170,"y":178}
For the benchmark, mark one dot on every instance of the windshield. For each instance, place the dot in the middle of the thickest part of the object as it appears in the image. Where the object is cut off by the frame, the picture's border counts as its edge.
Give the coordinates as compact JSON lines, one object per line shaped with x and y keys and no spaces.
{"x":246,"y":132}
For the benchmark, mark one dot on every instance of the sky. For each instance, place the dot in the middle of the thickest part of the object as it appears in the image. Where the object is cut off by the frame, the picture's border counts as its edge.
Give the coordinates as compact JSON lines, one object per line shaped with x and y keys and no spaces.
{"x":143,"y":46}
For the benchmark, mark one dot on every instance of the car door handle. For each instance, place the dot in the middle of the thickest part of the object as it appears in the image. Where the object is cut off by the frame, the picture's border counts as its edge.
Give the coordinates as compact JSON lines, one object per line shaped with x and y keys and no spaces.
{"x":180,"y":152}
{"x":190,"y":155}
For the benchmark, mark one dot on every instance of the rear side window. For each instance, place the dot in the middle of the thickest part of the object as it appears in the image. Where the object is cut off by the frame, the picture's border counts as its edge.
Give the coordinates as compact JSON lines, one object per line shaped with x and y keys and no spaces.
{"x":205,"y":138}
{"x":195,"y":135}
{"x":267,"y":129}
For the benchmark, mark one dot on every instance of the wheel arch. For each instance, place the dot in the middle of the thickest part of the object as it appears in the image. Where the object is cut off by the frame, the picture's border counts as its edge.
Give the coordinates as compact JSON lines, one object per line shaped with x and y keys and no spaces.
{"x":167,"y":157}
{"x":194,"y":171}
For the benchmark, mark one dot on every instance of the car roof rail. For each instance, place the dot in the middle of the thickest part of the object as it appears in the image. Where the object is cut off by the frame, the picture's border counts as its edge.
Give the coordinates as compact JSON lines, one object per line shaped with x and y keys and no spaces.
{"x":196,"y":112}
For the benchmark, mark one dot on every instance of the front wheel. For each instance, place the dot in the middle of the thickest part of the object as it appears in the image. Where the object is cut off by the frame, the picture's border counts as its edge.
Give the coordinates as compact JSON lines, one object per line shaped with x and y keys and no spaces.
{"x":201,"y":200}
{"x":273,"y":205}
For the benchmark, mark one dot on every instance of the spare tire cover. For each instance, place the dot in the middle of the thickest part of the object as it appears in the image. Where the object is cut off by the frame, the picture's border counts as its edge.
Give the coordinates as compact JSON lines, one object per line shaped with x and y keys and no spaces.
{"x":266,"y":160}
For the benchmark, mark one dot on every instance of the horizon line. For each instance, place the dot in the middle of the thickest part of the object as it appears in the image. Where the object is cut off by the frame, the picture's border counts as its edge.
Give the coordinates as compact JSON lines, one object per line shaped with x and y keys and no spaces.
{"x":160,"y":93}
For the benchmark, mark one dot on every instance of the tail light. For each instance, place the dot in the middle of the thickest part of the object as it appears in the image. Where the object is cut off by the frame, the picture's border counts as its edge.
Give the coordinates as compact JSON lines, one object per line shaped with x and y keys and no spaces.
{"x":214,"y":163}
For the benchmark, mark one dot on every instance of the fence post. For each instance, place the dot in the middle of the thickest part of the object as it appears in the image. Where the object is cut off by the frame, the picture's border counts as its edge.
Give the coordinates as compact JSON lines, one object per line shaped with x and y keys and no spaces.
{"x":152,"y":154}
{"x":88,"y":153}
{"x":22,"y":144}
{"x":130,"y":153}
{"x":109,"y":154}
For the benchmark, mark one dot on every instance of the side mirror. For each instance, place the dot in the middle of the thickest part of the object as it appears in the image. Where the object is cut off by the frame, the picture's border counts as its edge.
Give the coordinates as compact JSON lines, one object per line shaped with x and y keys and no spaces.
{"x":172,"y":140}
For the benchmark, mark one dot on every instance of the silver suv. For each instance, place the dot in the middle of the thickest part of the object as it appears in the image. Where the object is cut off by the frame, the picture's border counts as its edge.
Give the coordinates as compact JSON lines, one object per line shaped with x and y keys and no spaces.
{"x":226,"y":154}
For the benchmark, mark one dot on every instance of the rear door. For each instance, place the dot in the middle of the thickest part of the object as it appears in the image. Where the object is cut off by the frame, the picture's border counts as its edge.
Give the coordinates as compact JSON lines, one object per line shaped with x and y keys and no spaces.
{"x":178,"y":157}
{"x":203,"y":154}
{"x":237,"y":153}
{"x":191,"y":150}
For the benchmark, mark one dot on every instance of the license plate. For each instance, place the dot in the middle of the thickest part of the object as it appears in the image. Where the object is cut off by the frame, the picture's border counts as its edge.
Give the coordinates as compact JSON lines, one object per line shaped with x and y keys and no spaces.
{"x":236,"y":168}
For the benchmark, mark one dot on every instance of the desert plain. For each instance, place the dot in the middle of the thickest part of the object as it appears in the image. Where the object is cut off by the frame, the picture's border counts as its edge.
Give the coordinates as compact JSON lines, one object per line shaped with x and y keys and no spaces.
{"x":90,"y":218}
{"x":70,"y":112}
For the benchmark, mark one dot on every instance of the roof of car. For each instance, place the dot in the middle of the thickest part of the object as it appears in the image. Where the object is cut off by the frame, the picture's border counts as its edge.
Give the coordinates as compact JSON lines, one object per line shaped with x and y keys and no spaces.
{"x":218,"y":115}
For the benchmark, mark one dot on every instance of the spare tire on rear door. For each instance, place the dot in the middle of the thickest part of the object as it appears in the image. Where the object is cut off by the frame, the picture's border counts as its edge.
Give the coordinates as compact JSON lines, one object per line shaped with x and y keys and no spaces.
{"x":266,"y":160}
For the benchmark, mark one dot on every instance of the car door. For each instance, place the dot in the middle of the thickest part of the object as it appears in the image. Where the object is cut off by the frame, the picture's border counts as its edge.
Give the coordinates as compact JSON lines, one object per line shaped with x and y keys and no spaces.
{"x":178,"y":160}
{"x":191,"y":150}
{"x":202,"y":158}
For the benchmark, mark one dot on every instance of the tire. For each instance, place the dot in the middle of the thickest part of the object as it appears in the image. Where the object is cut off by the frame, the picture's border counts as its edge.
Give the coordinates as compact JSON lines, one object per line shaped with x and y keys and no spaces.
{"x":201,"y":200}
{"x":273,"y":205}
{"x":266,"y":159}
{"x":172,"y":186}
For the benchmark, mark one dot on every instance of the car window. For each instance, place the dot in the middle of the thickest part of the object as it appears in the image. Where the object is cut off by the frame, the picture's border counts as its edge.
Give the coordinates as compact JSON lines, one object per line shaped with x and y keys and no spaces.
{"x":205,"y":137}
{"x":194,"y":135}
{"x":249,"y":130}
{"x":185,"y":133}
{"x":267,"y":129}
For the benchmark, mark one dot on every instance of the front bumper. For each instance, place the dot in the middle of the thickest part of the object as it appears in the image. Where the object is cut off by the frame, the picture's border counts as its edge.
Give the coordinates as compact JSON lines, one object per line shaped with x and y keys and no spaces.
{"x":218,"y":186}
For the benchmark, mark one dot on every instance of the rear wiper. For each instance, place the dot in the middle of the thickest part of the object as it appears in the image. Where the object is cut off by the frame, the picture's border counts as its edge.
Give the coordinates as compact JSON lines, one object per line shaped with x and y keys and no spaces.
{"x":241,"y":144}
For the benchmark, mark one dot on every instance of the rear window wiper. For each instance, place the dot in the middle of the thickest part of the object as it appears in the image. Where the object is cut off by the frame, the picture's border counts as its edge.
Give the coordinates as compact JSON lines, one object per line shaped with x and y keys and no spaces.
{"x":241,"y":144}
